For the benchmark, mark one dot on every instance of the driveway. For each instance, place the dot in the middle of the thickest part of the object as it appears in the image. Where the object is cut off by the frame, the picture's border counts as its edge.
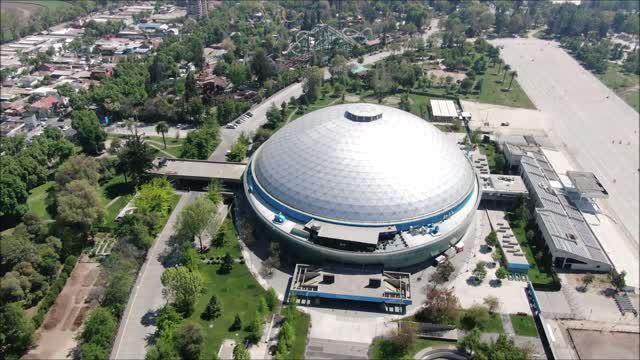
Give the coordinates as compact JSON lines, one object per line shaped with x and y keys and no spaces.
{"x":137,"y":324}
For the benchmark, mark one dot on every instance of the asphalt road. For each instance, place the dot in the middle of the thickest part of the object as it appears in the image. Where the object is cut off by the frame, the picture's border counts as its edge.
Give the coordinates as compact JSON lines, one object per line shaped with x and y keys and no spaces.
{"x":588,"y":122}
{"x":137,"y":324}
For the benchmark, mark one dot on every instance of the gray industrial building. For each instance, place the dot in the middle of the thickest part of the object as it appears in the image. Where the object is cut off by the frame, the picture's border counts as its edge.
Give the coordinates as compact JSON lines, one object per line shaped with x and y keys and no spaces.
{"x":572,"y":244}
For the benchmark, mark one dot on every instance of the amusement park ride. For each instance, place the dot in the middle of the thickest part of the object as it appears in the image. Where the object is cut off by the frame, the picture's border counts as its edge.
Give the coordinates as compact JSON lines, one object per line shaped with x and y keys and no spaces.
{"x":324,"y":37}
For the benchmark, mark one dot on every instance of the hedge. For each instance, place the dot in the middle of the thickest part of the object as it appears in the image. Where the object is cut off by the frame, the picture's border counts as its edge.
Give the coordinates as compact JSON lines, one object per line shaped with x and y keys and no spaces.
{"x":54,"y":290}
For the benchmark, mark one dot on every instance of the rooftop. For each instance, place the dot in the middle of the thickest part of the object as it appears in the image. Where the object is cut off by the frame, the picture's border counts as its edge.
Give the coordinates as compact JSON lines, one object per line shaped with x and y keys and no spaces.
{"x":566,"y":224}
{"x":444,"y":108}
{"x":361,"y":283}
{"x":587,"y":183}
{"x":516,"y":260}
{"x":199,"y":169}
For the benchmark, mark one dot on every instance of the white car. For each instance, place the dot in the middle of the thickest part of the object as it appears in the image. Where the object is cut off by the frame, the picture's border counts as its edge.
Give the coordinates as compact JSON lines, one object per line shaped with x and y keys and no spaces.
{"x":231,"y":126}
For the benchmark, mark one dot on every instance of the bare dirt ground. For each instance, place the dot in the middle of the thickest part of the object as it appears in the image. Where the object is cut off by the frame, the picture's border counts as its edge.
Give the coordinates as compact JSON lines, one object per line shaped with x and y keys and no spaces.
{"x":22,"y":10}
{"x":591,"y":344}
{"x":443,"y":74}
{"x":491,"y":117}
{"x":56,"y":337}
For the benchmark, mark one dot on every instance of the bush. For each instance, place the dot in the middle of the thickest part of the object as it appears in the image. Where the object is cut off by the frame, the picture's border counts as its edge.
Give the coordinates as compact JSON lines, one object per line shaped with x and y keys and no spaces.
{"x":476,"y":316}
{"x":54,"y":290}
{"x":98,"y":332}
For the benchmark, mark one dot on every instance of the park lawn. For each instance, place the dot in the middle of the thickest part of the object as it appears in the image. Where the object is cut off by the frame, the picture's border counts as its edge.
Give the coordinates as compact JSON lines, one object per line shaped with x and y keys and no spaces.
{"x":113,"y":210}
{"x":301,"y":323}
{"x":37,"y":200}
{"x":231,"y":242}
{"x":623,"y":84}
{"x":494,"y":325}
{"x":381,"y":352}
{"x":536,"y":274}
{"x":237,"y":292}
{"x":492,"y":91}
{"x":524,"y":325}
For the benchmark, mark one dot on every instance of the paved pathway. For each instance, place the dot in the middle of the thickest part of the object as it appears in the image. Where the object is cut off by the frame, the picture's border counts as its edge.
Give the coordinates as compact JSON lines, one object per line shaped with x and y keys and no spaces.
{"x":508,"y":326}
{"x":137,"y":324}
{"x":334,"y":349}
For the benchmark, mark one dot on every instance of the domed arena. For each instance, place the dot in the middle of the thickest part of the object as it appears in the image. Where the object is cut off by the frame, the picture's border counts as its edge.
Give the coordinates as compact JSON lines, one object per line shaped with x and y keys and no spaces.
{"x":363,"y":184}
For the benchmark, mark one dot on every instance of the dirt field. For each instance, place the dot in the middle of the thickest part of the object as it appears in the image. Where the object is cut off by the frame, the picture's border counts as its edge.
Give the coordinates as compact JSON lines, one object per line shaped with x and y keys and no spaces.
{"x":22,"y":10}
{"x":591,"y":344}
{"x":56,"y":337}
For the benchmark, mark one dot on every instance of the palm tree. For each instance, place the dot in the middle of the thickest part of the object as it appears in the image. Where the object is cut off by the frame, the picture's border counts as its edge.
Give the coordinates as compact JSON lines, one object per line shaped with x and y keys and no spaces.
{"x":162,"y":128}
{"x":499,"y":62}
{"x":506,"y":70}
{"x":513,"y":75}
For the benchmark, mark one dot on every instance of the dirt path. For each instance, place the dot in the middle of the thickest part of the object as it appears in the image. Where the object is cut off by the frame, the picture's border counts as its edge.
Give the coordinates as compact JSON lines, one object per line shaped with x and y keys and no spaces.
{"x":56,"y":338}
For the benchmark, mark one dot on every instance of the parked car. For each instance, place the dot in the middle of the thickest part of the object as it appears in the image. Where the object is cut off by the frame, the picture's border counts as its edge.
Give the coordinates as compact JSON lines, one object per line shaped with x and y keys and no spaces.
{"x":249,"y":114}
{"x":231,"y":126}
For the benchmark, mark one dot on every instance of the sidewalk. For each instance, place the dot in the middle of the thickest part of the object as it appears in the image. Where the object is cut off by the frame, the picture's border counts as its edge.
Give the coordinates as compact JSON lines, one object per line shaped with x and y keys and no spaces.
{"x":137,"y":324}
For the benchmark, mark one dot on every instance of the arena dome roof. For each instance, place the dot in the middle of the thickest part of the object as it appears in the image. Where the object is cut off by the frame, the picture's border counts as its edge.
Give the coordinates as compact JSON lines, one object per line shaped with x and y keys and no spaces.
{"x":363,"y":164}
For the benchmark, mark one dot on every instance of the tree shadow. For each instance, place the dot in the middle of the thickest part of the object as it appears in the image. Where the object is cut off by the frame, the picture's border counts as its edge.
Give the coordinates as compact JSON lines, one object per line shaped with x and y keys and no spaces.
{"x":495,"y":283}
{"x":149,"y":318}
{"x":473,"y":281}
{"x":118,"y":189}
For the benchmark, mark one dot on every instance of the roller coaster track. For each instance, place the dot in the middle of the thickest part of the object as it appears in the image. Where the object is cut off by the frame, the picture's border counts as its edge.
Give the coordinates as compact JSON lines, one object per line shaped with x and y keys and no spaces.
{"x":324,"y":37}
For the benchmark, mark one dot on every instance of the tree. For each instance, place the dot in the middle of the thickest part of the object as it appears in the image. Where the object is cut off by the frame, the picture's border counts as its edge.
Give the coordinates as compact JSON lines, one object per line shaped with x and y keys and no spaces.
{"x":16,"y":331}
{"x":470,"y":342}
{"x":443,"y":272}
{"x":237,"y":323}
{"x":466,"y":85}
{"x":213,"y":310}
{"x":79,"y":167}
{"x":189,"y":340}
{"x":195,"y":220}
{"x":261,"y":66}
{"x":500,"y":162}
{"x":117,"y":292}
{"x":241,"y":353}
{"x":13,"y":196}
{"x":272,"y":299}
{"x":182,"y":287}
{"x":155,"y":197}
{"x":190,"y":87}
{"x":200,"y":143}
{"x":475,"y":316}
{"x":255,"y":328}
{"x":98,"y":333}
{"x":162,"y":128}
{"x":480,"y":271}
{"x":90,"y":136}
{"x":492,"y":239}
{"x":618,"y":280}
{"x":79,"y":206}
{"x":586,"y":280}
{"x":507,"y":67}
{"x":312,"y":84}
{"x":492,"y":302}
{"x":501,"y":273}
{"x":514,"y":74}
{"x":227,"y":264}
{"x":135,"y":158}
{"x":440,"y":307}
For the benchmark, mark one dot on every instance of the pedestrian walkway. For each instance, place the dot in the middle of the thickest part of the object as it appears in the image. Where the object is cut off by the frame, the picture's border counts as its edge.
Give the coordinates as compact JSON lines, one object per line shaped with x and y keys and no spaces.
{"x":508,"y":326}
{"x":137,"y":325}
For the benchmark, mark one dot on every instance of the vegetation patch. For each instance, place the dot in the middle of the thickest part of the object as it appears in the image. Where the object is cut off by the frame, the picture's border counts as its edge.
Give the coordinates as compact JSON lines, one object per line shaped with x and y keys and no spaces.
{"x":524,"y":325}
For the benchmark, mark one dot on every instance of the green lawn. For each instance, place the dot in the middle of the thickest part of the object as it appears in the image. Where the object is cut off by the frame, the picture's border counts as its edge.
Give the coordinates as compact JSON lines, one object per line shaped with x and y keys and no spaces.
{"x":623,"y":84}
{"x":493,"y":91}
{"x":52,"y":5}
{"x":37,"y":200}
{"x":524,"y":325}
{"x":237,"y":293}
{"x":494,"y":325}
{"x":112,"y":210}
{"x":174,"y":146}
{"x":489,"y":150}
{"x":301,"y":324}
{"x":537,"y":275}
{"x":382,"y":349}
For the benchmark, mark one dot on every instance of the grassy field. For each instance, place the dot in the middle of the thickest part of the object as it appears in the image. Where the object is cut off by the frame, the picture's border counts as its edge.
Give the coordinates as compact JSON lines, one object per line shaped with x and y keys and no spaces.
{"x":28,"y":8}
{"x":524,"y":325}
{"x":623,"y":84}
{"x":494,"y":325}
{"x":301,"y":325}
{"x":174,"y":146}
{"x":37,"y":200}
{"x":237,"y":293}
{"x":384,"y":350}
{"x":493,"y":91}
{"x":537,"y":274}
